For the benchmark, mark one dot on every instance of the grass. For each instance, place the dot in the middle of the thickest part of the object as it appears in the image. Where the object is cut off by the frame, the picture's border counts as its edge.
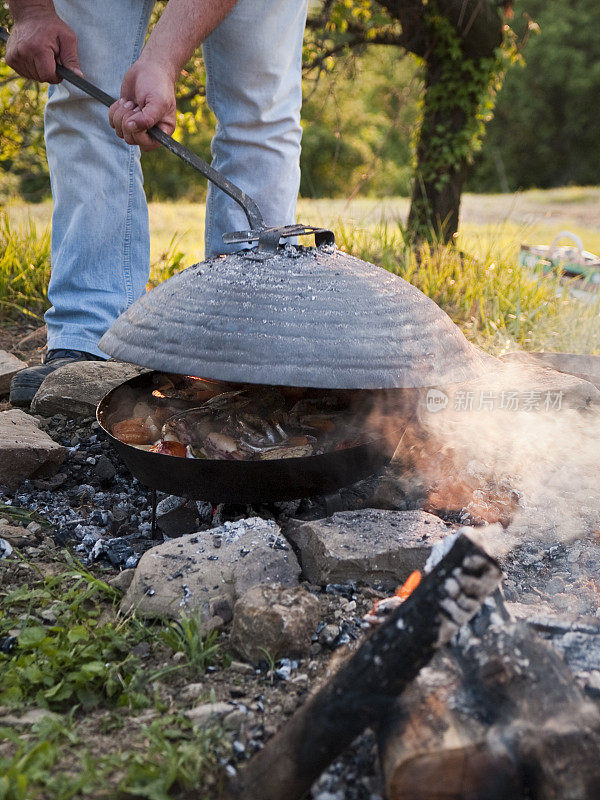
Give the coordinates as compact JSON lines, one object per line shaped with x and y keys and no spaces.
{"x":77,"y":662}
{"x":497,"y":304}
{"x":24,"y":268}
{"x":165,"y":755}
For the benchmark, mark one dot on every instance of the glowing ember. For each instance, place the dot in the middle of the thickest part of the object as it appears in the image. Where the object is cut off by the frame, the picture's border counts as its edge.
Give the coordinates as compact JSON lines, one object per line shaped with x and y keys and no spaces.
{"x":387,"y":604}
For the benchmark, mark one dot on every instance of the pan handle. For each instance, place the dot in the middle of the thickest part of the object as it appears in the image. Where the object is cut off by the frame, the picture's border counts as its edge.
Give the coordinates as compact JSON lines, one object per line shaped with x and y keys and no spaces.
{"x":248,"y":205}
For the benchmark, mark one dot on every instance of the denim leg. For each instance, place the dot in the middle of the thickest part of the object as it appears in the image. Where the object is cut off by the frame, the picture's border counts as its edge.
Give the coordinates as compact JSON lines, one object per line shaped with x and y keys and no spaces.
{"x":100,"y":238}
{"x":253,"y":85}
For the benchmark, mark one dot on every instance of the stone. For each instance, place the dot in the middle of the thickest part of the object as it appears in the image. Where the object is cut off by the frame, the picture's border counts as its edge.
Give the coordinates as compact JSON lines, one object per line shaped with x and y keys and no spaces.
{"x":104,"y":469}
{"x":25,"y":450}
{"x":6,"y":549}
{"x":185,"y":575}
{"x":35,"y":529}
{"x":122,"y":581}
{"x":76,"y":389}
{"x":527,"y":386}
{"x":9,"y":366}
{"x":49,"y":484}
{"x":17,"y":536}
{"x":242,"y":668}
{"x":191,"y":692}
{"x":234,"y":720}
{"x":369,"y":546}
{"x":208,"y":713}
{"x":272,"y":621}
{"x":177,"y":516}
{"x":328,"y":635}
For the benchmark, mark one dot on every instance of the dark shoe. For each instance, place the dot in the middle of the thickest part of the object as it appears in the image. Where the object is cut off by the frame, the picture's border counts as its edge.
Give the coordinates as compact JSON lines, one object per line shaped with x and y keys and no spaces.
{"x":26,"y":383}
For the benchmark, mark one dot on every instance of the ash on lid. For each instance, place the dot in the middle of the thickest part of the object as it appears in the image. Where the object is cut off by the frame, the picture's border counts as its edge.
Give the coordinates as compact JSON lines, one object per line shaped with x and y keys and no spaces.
{"x":308,"y":317}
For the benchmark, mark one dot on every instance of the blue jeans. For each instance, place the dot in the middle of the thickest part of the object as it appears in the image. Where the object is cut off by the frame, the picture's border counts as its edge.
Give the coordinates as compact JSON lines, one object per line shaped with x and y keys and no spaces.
{"x":100,"y":237}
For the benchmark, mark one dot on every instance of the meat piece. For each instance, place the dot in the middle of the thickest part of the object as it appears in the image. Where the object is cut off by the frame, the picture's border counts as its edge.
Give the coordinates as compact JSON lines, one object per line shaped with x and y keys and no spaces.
{"x":219,"y":445}
{"x":133,"y":431}
{"x":170,"y":449}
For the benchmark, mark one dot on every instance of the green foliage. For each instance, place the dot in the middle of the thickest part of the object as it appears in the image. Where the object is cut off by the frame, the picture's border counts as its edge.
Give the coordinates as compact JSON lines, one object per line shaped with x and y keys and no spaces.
{"x":168,"y":754}
{"x":22,"y":151}
{"x":491,"y":297}
{"x":358,"y":120}
{"x":184,"y":635}
{"x":79,"y":659}
{"x":546,"y":130}
{"x":172,"y":260}
{"x":83,"y":661}
{"x":24,"y":269}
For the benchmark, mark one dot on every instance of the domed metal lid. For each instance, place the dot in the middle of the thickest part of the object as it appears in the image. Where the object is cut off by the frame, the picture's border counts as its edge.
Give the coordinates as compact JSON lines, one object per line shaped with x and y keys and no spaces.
{"x":303,"y":317}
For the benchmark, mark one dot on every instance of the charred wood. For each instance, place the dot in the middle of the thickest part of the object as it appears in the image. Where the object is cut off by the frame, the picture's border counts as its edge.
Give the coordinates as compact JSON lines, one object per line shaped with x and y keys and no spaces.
{"x":500,"y":716}
{"x":363,"y":688}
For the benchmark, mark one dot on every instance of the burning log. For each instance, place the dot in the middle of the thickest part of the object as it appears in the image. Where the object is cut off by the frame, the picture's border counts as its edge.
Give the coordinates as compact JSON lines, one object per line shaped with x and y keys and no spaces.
{"x":361,"y":691}
{"x":500,"y":717}
{"x":433,"y":743}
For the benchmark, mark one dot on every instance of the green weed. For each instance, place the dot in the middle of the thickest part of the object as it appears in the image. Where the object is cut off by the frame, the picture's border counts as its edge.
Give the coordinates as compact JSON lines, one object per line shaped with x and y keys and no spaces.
{"x":497,"y":303}
{"x":82,"y":656}
{"x":22,"y":516}
{"x":184,"y":635}
{"x":55,"y":760}
{"x":78,"y":659}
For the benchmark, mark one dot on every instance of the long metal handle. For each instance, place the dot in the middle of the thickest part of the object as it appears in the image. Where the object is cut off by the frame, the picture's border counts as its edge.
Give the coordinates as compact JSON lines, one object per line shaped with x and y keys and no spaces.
{"x":249,"y":206}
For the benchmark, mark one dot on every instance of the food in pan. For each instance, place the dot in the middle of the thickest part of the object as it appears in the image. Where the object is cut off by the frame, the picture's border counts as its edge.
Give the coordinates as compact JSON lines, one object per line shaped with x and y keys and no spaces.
{"x":194,"y":418}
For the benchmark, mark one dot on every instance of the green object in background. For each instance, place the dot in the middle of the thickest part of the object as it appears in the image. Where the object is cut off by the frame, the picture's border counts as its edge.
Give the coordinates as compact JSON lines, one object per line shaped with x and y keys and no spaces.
{"x":571,"y":260}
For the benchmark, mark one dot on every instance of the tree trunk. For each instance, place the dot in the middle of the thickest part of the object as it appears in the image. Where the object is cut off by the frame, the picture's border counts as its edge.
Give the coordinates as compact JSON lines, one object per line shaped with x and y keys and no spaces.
{"x":442,"y":153}
{"x":436,"y":193}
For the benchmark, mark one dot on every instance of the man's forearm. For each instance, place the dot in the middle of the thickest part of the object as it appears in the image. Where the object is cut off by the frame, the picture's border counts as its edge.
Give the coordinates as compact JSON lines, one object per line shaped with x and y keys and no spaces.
{"x":183,"y":25}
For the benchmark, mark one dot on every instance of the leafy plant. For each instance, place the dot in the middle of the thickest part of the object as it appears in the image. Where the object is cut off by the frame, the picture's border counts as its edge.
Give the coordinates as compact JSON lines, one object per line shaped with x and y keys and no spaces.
{"x":169,"y":753}
{"x":79,"y":658}
{"x":184,"y":635}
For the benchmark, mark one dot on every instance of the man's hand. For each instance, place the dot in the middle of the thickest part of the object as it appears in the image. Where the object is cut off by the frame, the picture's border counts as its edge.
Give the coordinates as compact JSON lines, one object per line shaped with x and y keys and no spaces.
{"x":38,"y":40}
{"x":148,"y":93}
{"x":147,"y":99}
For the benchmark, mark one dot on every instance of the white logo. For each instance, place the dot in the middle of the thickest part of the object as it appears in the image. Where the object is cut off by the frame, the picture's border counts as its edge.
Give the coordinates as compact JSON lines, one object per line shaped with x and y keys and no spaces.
{"x":436,"y":400}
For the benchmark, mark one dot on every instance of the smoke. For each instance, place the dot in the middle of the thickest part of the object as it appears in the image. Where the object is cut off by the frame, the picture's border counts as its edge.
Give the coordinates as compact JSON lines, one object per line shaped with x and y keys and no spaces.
{"x":520,"y":446}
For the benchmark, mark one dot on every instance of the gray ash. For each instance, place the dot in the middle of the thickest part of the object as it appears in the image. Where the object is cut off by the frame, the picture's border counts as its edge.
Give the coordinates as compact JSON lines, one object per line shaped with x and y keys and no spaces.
{"x":93,"y":504}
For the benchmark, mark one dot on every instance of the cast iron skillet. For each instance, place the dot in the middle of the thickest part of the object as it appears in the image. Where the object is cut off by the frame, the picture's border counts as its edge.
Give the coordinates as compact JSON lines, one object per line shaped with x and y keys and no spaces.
{"x":223,"y":481}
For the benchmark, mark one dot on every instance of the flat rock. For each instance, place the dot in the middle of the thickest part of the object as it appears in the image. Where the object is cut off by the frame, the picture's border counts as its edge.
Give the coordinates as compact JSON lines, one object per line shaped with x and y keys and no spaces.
{"x":76,"y":389}
{"x":519,"y":385}
{"x":586,"y":367}
{"x":31,"y":717}
{"x":9,"y":366}
{"x":274,"y":621}
{"x":367,"y":546}
{"x":122,"y":580}
{"x":25,"y":450}
{"x":201,"y":572}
